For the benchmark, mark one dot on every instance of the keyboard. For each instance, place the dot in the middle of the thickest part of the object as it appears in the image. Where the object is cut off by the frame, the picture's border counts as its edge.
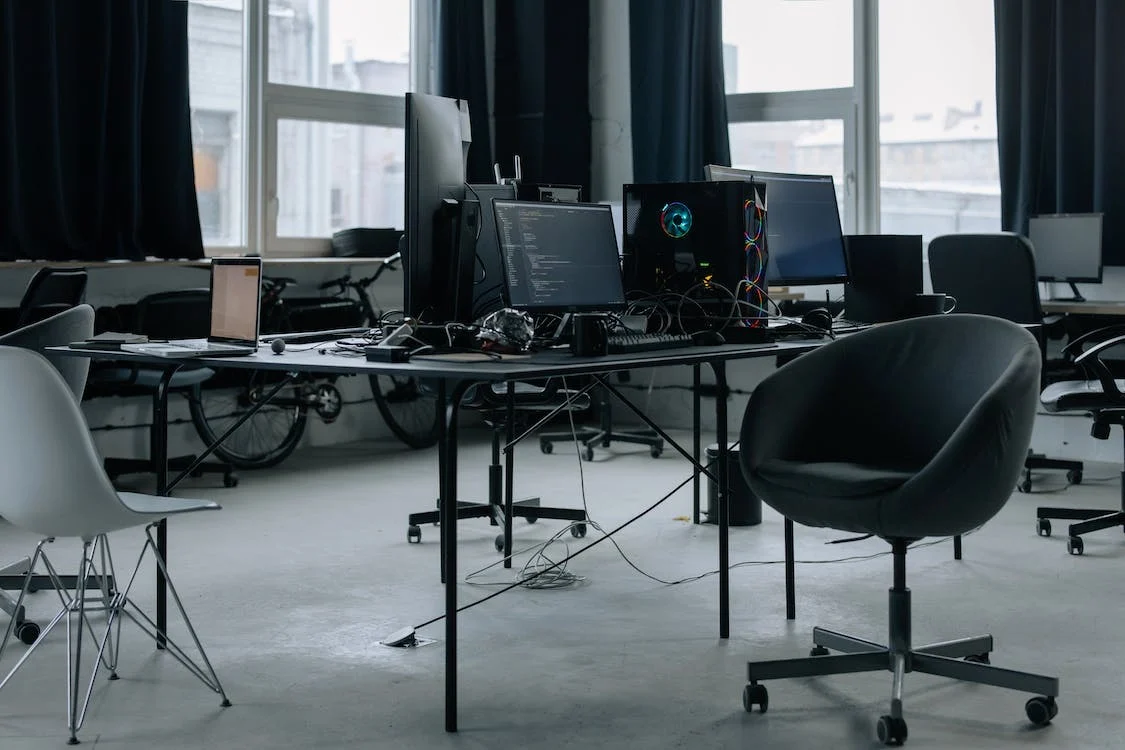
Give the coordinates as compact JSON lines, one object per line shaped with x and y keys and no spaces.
{"x":628,"y":343}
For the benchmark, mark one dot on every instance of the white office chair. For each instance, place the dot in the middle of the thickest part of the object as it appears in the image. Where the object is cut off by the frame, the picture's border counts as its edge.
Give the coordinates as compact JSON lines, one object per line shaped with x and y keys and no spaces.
{"x":40,"y":421}
{"x":73,"y":324}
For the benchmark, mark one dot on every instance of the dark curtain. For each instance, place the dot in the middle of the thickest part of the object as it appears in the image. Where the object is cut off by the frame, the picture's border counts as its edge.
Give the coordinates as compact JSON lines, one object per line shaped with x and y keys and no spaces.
{"x":1060,"y":91}
{"x":678,"y":93}
{"x":542,"y":96}
{"x":95,"y":134}
{"x":462,"y":73}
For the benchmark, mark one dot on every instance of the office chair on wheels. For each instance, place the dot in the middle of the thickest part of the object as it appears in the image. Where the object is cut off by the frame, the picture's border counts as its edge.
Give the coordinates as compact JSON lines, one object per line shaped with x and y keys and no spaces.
{"x":947,"y":403}
{"x":1101,"y":396}
{"x":74,"y":324}
{"x":50,"y":291}
{"x":78,"y":502}
{"x":603,"y":435}
{"x":179,"y":314}
{"x":994,"y":274}
{"x":491,"y":400}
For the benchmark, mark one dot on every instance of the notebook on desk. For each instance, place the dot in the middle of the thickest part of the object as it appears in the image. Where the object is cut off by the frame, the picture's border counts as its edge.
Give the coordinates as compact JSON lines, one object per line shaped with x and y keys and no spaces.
{"x":236,"y":296}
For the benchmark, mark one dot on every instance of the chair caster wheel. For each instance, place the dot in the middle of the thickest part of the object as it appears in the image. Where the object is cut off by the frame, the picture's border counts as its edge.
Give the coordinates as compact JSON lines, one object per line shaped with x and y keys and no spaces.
{"x":547,"y":448}
{"x":588,"y":453}
{"x":1075,"y":546}
{"x":413,"y":534}
{"x":28,"y":632}
{"x":982,"y":658}
{"x":1024,"y":485}
{"x":1040,"y":710}
{"x":656,"y":451}
{"x":1074,"y":476}
{"x":1044,"y":527}
{"x":755,"y":695}
{"x":230,"y":480}
{"x":578,"y":530}
{"x":498,"y":543}
{"x":818,"y":651}
{"x":891,"y":731}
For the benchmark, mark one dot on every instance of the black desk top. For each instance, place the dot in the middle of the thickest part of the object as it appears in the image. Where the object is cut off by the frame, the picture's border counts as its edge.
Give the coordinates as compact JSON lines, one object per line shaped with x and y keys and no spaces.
{"x":510,"y":367}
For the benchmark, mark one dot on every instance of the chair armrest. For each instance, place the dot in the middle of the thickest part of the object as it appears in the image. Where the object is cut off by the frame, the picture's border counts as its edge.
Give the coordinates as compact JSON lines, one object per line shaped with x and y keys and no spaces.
{"x":1091,"y":360}
{"x":1095,"y":335}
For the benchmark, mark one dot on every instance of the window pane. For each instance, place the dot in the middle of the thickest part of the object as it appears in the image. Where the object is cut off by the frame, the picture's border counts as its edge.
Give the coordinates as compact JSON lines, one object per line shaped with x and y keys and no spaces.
{"x":215,"y":83}
{"x":939,"y":167}
{"x":799,"y":146}
{"x":784,"y":45}
{"x":333,"y":176}
{"x":348,"y":45}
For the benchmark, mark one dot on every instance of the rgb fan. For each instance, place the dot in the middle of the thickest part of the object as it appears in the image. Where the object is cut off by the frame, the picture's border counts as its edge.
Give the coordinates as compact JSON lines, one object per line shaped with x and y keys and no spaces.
{"x":754,"y":245}
{"x":675,"y":219}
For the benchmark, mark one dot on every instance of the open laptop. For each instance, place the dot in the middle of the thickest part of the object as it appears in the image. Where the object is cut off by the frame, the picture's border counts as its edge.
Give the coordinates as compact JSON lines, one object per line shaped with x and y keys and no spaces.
{"x":236,"y":298}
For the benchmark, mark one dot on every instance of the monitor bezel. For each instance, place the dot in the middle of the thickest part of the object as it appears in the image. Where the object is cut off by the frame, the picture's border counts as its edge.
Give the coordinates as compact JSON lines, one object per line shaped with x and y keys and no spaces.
{"x":719,"y":173}
{"x":548,"y":309}
{"x":250,"y":261}
{"x":1101,"y":254}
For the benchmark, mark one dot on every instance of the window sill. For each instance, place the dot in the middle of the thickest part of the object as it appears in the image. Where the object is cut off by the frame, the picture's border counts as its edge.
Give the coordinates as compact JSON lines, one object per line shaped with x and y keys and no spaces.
{"x":200,"y":263}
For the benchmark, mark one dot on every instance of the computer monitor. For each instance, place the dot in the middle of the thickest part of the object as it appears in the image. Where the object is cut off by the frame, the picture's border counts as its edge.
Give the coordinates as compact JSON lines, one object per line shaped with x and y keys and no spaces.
{"x":1068,"y":248}
{"x":559,"y":257}
{"x":803,"y":233}
{"x":437,"y":148}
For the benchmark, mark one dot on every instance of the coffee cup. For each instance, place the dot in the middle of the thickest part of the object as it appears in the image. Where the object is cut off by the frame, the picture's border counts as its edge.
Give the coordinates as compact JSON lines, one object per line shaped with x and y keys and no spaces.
{"x":932,"y":304}
{"x":591,"y":335}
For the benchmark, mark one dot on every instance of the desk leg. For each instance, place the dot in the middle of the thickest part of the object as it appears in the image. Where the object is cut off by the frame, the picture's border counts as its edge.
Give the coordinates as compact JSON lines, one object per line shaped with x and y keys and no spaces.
{"x":159,"y":453}
{"x":509,"y":472}
{"x":695,"y":437}
{"x":720,"y":369}
{"x":449,"y":397}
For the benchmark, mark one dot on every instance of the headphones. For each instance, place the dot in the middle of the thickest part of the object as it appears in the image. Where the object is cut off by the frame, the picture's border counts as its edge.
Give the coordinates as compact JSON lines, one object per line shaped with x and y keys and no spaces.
{"x":819,"y":318}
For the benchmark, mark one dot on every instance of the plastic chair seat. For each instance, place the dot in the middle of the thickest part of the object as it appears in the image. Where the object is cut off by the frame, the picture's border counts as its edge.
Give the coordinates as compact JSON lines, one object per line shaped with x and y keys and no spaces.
{"x":1077,"y":395}
{"x":159,"y":506}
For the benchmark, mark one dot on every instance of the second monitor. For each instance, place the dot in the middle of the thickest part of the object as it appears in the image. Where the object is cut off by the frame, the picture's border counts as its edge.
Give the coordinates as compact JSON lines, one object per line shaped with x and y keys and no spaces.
{"x":559,"y":257}
{"x":1068,"y":248}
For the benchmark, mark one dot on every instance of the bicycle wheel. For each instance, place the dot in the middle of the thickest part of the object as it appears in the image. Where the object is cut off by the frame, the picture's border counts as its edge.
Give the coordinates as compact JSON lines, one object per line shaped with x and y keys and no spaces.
{"x":264,"y":440}
{"x":408,"y":407}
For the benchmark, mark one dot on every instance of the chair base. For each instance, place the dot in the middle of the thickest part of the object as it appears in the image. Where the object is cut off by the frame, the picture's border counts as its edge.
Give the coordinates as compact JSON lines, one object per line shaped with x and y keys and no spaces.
{"x":604,"y":435}
{"x":527,"y":508}
{"x":97,"y":564}
{"x":1036,"y":461}
{"x":117,"y":467}
{"x":964,"y":659}
{"x":1089,"y":519}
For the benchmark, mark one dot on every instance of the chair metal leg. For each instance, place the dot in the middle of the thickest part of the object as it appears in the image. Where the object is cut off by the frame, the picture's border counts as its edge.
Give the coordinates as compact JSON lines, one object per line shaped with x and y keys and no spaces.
{"x":959,"y":647}
{"x":984,"y":674}
{"x":844,"y":643}
{"x":818,"y":666}
{"x":1105,"y":521}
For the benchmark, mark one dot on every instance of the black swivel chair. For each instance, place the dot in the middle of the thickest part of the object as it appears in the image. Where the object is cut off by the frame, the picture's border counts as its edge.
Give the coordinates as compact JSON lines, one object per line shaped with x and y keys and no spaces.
{"x":1102,"y":396}
{"x":994,"y":274}
{"x":947,"y":404}
{"x":50,"y":291}
{"x":177,"y":314}
{"x":603,"y":435}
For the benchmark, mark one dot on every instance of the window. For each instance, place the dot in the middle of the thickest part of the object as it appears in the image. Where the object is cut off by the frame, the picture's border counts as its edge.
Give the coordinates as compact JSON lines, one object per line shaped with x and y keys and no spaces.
{"x":939,"y":168}
{"x":215,"y":54}
{"x":297,"y":112}
{"x":787,"y":45}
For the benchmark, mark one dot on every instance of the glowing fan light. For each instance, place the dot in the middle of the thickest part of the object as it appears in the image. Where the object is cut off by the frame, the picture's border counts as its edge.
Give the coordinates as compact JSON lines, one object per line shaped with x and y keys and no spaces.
{"x":675,"y":219}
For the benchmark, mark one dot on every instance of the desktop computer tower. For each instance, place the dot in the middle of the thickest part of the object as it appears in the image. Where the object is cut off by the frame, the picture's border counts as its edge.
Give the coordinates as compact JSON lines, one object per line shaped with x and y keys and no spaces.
{"x":884,"y":276}
{"x":695,"y":246}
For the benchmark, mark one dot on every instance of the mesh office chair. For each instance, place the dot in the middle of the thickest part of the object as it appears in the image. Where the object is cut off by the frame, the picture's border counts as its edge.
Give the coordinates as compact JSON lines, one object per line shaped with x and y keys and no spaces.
{"x":994,"y":274}
{"x":1101,"y":396}
{"x":75,"y":324}
{"x":947,"y":404}
{"x":76,"y":500}
{"x":50,"y":291}
{"x":179,"y":314}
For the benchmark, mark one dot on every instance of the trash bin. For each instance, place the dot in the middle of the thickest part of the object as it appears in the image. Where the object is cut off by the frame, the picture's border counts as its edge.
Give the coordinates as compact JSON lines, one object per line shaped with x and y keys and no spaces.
{"x":743,"y":506}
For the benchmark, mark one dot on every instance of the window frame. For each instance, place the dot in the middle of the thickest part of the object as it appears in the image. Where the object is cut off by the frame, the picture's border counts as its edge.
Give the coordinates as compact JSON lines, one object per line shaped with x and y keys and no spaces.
{"x":265,"y":103}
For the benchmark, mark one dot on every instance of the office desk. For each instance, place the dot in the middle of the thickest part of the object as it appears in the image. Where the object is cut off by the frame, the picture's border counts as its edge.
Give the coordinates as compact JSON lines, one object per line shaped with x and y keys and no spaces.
{"x":1086,"y":307}
{"x":452,"y":379}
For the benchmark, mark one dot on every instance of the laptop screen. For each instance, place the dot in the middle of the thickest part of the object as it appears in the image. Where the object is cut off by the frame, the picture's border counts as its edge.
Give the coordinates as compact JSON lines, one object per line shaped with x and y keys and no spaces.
{"x":235,"y":299}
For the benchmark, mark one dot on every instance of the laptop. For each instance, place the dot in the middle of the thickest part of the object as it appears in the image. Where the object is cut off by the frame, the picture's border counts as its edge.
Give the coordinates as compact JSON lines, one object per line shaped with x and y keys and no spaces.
{"x":236,"y":300}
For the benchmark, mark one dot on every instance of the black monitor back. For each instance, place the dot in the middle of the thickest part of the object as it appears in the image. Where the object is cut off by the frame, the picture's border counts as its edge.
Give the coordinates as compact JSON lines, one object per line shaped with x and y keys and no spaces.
{"x":885,"y":273}
{"x":488,"y":267}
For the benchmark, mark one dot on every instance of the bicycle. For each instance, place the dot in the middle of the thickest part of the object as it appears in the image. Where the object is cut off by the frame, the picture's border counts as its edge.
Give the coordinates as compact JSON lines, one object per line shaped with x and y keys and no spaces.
{"x":273,"y":433}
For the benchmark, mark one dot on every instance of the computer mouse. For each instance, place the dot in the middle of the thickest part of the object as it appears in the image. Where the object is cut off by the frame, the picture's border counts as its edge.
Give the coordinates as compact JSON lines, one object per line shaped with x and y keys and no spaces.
{"x":707,"y":338}
{"x":818,"y":317}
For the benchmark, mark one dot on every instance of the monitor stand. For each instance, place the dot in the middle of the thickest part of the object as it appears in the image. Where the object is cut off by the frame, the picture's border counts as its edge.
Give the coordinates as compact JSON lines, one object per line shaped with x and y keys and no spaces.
{"x":1076,"y":298}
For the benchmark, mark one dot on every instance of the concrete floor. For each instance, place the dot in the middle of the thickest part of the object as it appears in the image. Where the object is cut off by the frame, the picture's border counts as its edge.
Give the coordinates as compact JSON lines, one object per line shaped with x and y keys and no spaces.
{"x":293,"y":584}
